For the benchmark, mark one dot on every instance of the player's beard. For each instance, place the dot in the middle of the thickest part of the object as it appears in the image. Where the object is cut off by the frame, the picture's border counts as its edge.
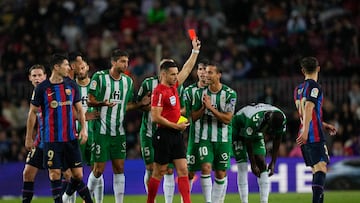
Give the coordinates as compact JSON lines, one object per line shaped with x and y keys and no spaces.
{"x":81,"y":77}
{"x":120,"y":70}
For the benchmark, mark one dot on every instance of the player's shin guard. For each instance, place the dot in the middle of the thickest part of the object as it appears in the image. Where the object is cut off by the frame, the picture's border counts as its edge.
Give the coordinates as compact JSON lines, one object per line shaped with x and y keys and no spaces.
{"x":27,"y":192}
{"x":96,"y":187}
{"x":206,"y":185}
{"x":184,"y":188}
{"x":242,"y":181}
{"x":119,"y":187}
{"x":169,"y":188}
{"x":153,"y":186}
{"x":264,"y":186}
{"x":81,"y":188}
{"x":64,"y":184}
{"x":56,"y":190}
{"x":217,"y":189}
{"x":222,"y":198}
{"x":318,"y":187}
{"x":99,"y":190}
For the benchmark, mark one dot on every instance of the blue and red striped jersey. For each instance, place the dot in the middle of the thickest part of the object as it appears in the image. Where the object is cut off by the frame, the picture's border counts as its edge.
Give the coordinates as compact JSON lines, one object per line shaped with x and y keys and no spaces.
{"x":56,"y":102}
{"x":311,"y":91}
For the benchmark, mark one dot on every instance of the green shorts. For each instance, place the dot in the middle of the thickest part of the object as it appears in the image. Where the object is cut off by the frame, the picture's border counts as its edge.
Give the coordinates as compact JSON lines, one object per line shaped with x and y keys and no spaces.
{"x":193,"y":160}
{"x":216,"y":153}
{"x":109,"y":147}
{"x":147,"y":149}
{"x":86,"y":151}
{"x":240,"y":150}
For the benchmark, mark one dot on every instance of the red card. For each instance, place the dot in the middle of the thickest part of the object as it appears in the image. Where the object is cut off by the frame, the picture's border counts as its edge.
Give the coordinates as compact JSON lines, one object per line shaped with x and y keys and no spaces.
{"x":192,"y":34}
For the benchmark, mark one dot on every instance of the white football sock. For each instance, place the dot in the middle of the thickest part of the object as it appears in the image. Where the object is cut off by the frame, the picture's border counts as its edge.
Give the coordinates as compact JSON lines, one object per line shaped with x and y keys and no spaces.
{"x":206,"y":185}
{"x":119,"y":187}
{"x":217,"y":190}
{"x":264,"y":186}
{"x":169,"y":188}
{"x":242,"y":181}
{"x":222,"y":199}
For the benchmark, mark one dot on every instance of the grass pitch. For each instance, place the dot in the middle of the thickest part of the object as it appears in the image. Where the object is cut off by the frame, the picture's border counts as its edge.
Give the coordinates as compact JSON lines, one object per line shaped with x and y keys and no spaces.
{"x":330,"y":197}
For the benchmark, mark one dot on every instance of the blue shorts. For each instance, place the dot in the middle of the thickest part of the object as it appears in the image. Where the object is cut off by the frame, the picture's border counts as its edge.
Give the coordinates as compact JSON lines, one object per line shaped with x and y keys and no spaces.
{"x":35,"y":158}
{"x":314,"y":153}
{"x":62,"y":155}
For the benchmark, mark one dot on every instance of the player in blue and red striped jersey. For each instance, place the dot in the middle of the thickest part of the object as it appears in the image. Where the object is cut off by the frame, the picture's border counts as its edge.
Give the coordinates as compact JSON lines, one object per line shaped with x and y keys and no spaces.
{"x":34,"y":160}
{"x":56,"y":98}
{"x":308,"y":98}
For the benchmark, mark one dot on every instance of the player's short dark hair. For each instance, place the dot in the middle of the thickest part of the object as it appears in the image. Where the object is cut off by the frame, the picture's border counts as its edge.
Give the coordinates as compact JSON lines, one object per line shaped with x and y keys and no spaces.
{"x":73,"y":56}
{"x":204,"y":62}
{"x":57,"y":58}
{"x":117,"y":53}
{"x":218,"y":67}
{"x":37,"y":66}
{"x":276,"y":120}
{"x":309,"y":64}
{"x":167,"y":64}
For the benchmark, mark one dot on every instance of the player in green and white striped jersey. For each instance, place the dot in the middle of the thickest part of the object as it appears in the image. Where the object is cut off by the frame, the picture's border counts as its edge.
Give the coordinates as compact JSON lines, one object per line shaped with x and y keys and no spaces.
{"x":213,"y":109}
{"x":148,"y":129}
{"x":188,"y":96}
{"x":249,"y":126}
{"x":111,"y":92}
{"x":83,"y":80}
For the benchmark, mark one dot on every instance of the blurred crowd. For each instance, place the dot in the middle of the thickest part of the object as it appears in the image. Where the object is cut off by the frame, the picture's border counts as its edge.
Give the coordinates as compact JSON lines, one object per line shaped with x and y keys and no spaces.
{"x":251,"y":39}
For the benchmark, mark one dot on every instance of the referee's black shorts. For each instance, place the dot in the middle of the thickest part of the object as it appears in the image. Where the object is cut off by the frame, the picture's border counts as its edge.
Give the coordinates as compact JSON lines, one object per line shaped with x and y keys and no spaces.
{"x":168,"y":145}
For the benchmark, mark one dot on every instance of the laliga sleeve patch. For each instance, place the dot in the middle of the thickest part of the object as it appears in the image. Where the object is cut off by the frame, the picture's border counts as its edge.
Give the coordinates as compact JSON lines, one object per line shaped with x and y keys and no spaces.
{"x":314,"y":92}
{"x":93,"y":85}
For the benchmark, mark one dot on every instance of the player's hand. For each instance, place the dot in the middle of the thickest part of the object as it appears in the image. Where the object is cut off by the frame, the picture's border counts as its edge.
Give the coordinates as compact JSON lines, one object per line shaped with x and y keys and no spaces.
{"x":92,"y":115}
{"x":196,"y":44}
{"x":109,"y":104}
{"x":83,"y":136}
{"x":330,"y":128}
{"x":302,"y":139}
{"x":183,"y":126}
{"x":255,"y":170}
{"x":271,"y":169}
{"x":146,"y":100}
{"x":29,"y":144}
{"x":207,"y":101}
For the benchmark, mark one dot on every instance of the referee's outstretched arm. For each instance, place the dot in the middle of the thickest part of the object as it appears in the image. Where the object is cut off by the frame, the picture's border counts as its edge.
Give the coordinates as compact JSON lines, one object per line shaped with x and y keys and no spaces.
{"x":190,"y":63}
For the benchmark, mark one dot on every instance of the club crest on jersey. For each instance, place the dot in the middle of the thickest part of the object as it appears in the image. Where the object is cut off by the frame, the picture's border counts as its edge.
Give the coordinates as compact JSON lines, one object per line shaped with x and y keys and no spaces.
{"x":249,"y":131}
{"x":67,"y":91}
{"x":53,"y":104}
{"x":172,"y":100}
{"x":314,"y":92}
{"x":93,"y":85}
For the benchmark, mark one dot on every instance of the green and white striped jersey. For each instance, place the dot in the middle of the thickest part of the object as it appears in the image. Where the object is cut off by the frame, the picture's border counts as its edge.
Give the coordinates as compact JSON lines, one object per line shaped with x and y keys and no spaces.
{"x":147,"y":126}
{"x":104,"y":87}
{"x":147,"y":86}
{"x":207,"y":127}
{"x":188,"y":97}
{"x":84,"y":97}
{"x":247,"y":120}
